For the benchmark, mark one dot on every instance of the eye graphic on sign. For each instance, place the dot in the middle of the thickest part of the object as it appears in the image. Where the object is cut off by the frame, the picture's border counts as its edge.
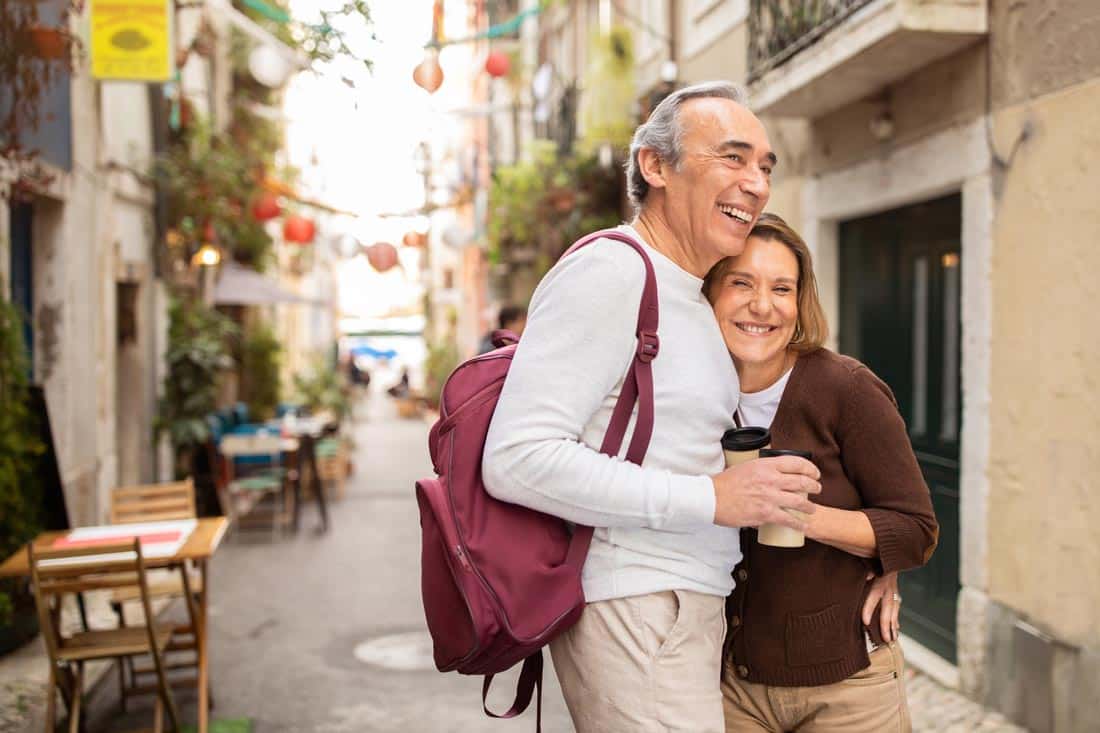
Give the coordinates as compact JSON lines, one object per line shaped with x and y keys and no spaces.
{"x":130,"y":39}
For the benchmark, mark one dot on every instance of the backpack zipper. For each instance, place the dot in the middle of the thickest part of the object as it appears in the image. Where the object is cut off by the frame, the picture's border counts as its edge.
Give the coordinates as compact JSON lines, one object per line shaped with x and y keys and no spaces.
{"x":463,"y":554}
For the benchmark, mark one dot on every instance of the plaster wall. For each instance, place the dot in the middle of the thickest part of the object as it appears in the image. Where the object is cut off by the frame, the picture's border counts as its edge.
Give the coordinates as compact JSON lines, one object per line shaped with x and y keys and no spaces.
{"x":1045,"y":440}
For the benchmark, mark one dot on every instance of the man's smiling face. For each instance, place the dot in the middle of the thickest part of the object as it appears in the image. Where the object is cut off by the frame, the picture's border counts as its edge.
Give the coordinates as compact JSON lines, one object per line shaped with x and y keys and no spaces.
{"x":722,"y":181}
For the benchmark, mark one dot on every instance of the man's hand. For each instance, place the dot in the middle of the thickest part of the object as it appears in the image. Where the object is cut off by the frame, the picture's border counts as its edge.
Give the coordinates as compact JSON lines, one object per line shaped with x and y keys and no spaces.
{"x":756,"y":492}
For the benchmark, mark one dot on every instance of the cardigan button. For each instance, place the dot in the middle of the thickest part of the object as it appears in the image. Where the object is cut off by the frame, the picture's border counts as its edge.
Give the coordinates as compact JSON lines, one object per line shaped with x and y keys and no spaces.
{"x":742,"y":575}
{"x":735,"y":621}
{"x":742,"y":671}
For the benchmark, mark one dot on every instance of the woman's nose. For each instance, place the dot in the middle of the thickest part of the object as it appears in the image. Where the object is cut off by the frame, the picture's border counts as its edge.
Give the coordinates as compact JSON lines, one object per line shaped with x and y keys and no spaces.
{"x":761,"y":302}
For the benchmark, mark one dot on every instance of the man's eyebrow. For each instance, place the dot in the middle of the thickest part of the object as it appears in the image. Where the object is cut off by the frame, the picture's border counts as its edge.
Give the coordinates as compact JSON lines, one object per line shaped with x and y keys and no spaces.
{"x":742,"y":145}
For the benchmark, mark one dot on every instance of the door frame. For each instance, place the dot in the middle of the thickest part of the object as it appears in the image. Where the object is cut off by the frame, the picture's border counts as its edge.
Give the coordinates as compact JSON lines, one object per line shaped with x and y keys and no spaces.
{"x":953,"y":160}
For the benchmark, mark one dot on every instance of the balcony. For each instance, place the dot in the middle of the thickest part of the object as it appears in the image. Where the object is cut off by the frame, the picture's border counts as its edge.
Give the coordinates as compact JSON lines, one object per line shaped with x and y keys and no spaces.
{"x":810,"y":57}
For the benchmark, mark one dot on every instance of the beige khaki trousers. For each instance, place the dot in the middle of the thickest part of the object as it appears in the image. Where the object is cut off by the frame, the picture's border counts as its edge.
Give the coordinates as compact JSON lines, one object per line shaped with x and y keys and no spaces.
{"x":870,"y":701}
{"x":645,"y":663}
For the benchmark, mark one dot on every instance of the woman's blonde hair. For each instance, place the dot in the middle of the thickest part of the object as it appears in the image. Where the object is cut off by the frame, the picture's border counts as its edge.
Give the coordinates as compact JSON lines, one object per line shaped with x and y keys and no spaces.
{"x":811,"y":331}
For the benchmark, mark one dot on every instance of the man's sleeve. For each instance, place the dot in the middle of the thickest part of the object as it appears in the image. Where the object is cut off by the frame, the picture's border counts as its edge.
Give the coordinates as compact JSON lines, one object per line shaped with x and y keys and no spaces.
{"x":578,"y":343}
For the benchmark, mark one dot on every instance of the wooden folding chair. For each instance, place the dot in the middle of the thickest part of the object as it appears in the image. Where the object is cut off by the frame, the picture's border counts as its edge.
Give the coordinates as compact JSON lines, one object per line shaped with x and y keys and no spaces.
{"x":269,"y":478}
{"x":155,"y":503}
{"x":58,"y":572}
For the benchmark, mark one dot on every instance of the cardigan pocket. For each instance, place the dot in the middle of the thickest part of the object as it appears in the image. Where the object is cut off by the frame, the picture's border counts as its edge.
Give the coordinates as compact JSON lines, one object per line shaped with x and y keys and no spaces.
{"x":811,"y":638}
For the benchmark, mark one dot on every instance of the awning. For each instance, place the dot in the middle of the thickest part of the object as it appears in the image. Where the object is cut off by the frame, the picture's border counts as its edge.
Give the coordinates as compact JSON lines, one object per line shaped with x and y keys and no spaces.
{"x":239,"y":285}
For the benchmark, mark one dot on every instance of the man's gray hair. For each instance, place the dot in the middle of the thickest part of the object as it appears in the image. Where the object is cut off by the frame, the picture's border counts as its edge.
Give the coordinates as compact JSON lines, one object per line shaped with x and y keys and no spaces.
{"x":662,"y":131}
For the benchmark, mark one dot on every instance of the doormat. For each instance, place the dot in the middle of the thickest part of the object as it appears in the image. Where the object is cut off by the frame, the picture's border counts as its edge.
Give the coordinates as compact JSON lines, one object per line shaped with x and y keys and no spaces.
{"x":231,"y":725}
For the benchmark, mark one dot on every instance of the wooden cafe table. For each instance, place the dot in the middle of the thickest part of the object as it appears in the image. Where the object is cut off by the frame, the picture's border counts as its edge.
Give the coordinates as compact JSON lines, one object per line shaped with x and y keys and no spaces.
{"x":199,"y":546}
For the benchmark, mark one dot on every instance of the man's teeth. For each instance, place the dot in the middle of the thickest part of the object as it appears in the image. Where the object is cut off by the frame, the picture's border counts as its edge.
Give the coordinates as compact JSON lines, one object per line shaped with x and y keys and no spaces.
{"x":750,"y":328}
{"x":739,"y":214}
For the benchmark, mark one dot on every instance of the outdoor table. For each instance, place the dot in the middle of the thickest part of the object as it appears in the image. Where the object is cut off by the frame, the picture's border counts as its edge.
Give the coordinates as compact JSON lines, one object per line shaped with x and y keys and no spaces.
{"x":198,"y":547}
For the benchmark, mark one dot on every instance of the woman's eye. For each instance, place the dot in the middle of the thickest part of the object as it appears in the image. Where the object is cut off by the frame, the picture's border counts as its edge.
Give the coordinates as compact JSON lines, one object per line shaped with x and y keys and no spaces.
{"x":742,"y":283}
{"x":783,"y":290}
{"x":735,"y":158}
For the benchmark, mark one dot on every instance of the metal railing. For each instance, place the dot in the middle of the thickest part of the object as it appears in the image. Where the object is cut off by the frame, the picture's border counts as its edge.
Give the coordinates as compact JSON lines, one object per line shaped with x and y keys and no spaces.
{"x":779,"y":29}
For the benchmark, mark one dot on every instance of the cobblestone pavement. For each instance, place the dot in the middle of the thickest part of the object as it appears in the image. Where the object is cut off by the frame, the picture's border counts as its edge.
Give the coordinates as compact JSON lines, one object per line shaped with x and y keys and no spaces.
{"x":937,"y":709}
{"x":290,"y":617}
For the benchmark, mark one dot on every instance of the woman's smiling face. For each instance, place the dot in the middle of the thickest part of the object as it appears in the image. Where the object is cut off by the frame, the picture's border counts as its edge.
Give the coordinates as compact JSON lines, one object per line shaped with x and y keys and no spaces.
{"x":756,"y":302}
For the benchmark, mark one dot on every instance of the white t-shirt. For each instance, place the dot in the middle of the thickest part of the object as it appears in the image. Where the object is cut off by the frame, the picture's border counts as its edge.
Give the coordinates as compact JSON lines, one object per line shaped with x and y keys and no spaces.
{"x":654,"y":523}
{"x":758,"y":408}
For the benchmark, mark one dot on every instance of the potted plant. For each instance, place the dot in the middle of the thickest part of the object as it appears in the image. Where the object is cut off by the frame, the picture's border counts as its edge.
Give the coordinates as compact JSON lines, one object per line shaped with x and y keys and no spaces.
{"x":20,"y":490}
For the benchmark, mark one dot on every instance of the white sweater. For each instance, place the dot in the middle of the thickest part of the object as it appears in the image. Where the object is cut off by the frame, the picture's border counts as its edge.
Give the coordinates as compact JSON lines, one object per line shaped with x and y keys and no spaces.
{"x":654,"y":523}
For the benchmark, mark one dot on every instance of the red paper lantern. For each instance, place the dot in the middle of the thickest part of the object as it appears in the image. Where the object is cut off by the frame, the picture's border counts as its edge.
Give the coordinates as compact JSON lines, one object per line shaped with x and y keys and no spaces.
{"x":266,"y":207}
{"x":428,"y":75}
{"x":498,"y":64}
{"x":414,"y":239}
{"x":299,"y":229}
{"x":382,"y":256}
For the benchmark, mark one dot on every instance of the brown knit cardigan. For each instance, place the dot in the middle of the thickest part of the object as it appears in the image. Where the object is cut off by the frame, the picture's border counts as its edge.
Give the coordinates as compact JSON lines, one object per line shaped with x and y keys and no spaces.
{"x":794,"y":615}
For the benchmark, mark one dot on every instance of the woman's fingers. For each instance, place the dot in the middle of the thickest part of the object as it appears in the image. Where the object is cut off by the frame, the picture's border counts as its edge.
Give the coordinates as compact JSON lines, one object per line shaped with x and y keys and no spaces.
{"x":874,"y":597}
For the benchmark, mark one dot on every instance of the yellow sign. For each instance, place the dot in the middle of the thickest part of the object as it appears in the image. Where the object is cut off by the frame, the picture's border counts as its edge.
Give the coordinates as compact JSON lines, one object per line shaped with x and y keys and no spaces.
{"x":132,"y":40}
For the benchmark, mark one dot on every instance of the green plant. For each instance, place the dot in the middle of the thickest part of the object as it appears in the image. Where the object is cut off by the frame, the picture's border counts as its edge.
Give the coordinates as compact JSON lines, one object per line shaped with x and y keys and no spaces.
{"x":20,"y":490}
{"x":259,"y":370}
{"x":541,"y":205}
{"x":208,"y":181}
{"x":324,"y":388}
{"x":607,"y":115}
{"x":197,"y":353}
{"x":27,"y":72}
{"x":441,"y":360}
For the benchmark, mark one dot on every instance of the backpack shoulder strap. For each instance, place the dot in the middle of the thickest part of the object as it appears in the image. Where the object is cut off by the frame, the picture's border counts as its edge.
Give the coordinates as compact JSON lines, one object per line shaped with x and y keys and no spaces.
{"x":637,"y":386}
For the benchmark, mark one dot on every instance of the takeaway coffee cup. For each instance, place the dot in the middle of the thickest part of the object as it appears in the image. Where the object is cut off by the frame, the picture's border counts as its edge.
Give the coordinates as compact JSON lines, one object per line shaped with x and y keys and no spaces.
{"x":776,"y":535}
{"x":744,"y":444}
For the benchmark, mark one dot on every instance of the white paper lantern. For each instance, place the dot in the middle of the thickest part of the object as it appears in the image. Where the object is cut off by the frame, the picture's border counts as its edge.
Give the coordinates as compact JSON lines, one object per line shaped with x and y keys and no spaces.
{"x":268,"y":66}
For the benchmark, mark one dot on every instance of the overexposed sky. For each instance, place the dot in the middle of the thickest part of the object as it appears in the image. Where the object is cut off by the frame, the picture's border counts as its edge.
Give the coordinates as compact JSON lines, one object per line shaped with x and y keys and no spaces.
{"x":356,"y":146}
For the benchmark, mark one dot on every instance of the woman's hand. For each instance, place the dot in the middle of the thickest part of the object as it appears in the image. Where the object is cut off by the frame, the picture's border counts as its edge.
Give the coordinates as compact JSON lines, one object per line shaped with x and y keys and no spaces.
{"x":884,"y":590}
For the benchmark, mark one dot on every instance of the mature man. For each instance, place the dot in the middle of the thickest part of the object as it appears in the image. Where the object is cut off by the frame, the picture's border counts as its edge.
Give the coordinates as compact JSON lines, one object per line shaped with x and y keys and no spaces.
{"x":646,"y":652}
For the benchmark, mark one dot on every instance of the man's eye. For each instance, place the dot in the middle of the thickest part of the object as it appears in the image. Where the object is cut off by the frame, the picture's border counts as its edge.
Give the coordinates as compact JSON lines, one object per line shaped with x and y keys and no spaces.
{"x":735,"y":158}
{"x":767,"y":171}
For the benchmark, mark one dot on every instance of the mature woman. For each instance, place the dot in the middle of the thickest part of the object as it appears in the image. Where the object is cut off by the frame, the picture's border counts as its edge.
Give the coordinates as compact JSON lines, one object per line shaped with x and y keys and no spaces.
{"x":799,"y":654}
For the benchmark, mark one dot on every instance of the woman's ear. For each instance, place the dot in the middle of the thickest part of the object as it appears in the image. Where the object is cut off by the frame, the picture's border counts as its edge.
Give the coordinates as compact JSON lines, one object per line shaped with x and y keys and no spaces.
{"x":652,"y":167}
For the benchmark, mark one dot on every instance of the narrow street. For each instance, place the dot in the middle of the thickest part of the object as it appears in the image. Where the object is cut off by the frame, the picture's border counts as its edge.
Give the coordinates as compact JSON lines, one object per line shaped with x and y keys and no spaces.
{"x":288,"y":614}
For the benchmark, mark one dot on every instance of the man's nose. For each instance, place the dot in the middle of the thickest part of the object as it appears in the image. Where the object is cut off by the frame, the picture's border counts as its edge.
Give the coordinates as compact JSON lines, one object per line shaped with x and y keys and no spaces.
{"x":756,"y":183}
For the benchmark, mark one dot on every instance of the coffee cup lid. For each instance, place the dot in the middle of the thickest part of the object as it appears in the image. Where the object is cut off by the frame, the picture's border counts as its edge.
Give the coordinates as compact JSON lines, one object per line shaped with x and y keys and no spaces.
{"x":743,"y":439}
{"x":773,"y":452}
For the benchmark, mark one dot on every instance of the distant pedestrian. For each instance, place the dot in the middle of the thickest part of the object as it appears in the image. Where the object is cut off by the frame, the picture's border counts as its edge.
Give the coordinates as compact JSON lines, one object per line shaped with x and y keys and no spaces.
{"x":512,"y":318}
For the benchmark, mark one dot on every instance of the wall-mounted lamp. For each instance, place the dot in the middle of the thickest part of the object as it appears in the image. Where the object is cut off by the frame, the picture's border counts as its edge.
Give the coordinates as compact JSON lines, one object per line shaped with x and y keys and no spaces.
{"x":207,"y":256}
{"x":882,"y":126}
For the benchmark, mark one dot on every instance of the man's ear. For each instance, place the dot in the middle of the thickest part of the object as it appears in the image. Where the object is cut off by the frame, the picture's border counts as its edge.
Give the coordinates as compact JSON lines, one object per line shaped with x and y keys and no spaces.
{"x":652,"y":167}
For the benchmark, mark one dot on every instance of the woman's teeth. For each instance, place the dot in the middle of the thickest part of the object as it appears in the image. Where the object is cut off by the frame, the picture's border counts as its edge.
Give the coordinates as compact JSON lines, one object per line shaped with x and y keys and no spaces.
{"x":754,"y":329}
{"x":735,"y":213}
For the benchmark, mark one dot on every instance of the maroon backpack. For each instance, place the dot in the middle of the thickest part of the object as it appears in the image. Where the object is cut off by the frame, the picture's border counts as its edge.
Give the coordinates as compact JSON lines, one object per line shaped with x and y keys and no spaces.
{"x":500,"y":581}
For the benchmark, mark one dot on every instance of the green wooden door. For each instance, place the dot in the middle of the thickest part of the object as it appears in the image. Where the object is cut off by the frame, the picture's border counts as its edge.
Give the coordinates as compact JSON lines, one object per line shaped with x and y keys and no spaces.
{"x":899,"y":314}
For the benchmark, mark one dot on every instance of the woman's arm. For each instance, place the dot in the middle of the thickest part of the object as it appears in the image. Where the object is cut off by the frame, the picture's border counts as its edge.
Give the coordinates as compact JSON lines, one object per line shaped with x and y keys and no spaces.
{"x":843,"y":529}
{"x":878,"y":459}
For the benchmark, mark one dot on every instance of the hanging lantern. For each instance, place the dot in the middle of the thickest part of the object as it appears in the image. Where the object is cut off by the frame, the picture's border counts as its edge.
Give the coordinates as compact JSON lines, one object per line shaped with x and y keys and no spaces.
{"x":428,"y":75}
{"x":498,"y":64}
{"x":268,"y":66}
{"x":414,"y":239}
{"x":266,"y":207}
{"x":382,"y":256}
{"x":299,"y":229}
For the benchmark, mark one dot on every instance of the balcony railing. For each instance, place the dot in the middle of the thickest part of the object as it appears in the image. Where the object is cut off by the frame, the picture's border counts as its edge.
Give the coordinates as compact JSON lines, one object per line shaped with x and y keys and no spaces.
{"x":779,"y":29}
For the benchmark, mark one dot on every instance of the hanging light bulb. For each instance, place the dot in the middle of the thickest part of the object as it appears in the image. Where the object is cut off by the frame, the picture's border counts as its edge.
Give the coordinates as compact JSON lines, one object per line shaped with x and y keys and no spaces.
{"x":428,"y":75}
